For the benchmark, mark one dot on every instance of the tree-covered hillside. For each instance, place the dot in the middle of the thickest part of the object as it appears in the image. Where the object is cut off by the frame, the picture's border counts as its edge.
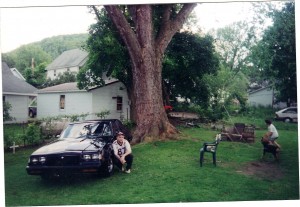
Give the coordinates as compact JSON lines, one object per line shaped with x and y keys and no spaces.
{"x":43,"y":52}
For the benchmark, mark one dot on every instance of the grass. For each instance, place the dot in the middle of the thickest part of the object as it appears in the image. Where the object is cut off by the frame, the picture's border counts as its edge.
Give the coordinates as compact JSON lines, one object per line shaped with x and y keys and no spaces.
{"x":165,"y":172}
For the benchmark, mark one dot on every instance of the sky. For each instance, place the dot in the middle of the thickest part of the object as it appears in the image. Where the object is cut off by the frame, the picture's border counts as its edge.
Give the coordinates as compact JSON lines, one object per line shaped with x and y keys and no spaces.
{"x":20,"y":26}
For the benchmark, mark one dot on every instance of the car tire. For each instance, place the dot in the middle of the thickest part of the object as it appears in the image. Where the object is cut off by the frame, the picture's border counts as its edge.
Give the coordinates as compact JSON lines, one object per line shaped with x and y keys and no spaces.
{"x":287,"y":120}
{"x":107,"y":168}
{"x":108,"y":164}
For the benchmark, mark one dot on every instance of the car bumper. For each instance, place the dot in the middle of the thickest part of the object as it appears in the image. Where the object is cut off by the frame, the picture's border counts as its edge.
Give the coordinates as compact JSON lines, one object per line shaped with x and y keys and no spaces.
{"x":82,"y":169}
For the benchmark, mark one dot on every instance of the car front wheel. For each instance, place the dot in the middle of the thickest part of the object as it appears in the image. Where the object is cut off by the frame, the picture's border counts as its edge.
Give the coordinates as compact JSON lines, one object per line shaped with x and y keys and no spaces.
{"x":107,"y":167}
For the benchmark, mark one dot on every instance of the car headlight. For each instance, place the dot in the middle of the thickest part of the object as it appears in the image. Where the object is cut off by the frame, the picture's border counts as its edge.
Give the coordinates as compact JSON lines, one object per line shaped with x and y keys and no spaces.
{"x":96,"y":156}
{"x":34,"y":160}
{"x":86,"y":157}
{"x":42,"y":159}
{"x":92,"y":156}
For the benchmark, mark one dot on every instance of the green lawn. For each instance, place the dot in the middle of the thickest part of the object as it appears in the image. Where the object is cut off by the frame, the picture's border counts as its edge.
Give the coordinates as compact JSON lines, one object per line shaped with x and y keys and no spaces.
{"x":166,"y":172}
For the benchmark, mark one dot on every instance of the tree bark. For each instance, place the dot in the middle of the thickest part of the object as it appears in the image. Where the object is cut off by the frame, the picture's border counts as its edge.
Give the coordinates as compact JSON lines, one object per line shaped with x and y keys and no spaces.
{"x":146,"y":53}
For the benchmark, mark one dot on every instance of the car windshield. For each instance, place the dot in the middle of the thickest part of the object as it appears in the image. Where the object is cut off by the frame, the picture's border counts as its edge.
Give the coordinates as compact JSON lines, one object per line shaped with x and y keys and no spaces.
{"x":82,"y":129}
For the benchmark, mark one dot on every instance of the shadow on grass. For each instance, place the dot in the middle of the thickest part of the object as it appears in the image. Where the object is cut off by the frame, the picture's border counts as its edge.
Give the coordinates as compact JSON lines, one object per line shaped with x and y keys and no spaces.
{"x":71,"y":180}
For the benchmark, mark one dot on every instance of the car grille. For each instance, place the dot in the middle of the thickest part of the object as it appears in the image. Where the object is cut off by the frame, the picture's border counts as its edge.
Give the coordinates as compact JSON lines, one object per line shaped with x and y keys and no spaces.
{"x":62,"y":160}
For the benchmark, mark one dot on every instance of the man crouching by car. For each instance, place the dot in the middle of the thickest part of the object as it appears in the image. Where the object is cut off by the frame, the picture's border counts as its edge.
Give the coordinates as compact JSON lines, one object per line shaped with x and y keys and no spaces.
{"x":122,"y":151}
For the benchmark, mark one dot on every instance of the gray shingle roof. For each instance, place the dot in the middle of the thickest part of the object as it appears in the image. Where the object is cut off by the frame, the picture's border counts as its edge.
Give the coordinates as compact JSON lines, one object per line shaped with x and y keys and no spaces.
{"x":71,"y":87}
{"x":13,"y":85}
{"x":67,"y":59}
{"x":65,"y":87}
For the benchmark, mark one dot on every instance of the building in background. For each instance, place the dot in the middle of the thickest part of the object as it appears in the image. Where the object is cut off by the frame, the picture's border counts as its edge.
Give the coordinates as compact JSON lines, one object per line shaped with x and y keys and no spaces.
{"x":69,"y":61}
{"x":18,"y":93}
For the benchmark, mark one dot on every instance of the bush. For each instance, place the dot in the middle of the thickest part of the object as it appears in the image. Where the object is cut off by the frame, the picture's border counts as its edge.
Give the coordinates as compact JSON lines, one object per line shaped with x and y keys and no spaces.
{"x":103,"y":114}
{"x":129,"y":124}
{"x":33,"y":134}
{"x":6,"y":111}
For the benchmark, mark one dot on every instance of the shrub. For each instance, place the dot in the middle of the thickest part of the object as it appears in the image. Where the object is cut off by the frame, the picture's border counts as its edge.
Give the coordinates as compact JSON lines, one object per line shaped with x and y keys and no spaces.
{"x":33,"y":134}
{"x":6,"y":109}
{"x":129,"y":124}
{"x":103,"y":114}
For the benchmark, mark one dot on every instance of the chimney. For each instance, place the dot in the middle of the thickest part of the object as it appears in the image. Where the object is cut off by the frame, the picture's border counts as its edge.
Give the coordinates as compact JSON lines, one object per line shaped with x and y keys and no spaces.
{"x":32,"y":65}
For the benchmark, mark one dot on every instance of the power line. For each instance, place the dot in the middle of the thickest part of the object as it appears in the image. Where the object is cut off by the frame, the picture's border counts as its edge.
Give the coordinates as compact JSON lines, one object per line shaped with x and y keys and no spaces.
{"x":39,"y":6}
{"x":55,"y":4}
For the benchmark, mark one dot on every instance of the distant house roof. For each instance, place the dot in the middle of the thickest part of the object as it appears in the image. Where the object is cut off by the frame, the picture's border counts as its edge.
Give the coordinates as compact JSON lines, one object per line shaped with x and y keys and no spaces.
{"x":17,"y":73}
{"x":64,"y":87}
{"x":69,"y":58}
{"x":261,"y":89}
{"x":13,"y":85}
{"x":71,"y":87}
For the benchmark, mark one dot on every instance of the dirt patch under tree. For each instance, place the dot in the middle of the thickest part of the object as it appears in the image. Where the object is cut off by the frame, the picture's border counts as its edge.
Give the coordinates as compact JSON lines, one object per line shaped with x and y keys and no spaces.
{"x":262,"y":169}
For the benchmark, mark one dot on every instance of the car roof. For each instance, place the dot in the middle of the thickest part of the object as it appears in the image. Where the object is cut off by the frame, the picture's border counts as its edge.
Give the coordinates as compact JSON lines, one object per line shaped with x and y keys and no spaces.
{"x":292,"y":107}
{"x":95,"y":121}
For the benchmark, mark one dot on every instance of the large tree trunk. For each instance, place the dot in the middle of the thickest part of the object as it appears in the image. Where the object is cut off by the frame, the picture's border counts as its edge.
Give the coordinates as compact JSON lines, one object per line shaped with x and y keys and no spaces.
{"x":146,"y":53}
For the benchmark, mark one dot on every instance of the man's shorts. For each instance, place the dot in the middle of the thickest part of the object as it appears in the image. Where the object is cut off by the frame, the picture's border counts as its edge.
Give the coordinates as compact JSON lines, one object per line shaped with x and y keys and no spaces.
{"x":273,"y":138}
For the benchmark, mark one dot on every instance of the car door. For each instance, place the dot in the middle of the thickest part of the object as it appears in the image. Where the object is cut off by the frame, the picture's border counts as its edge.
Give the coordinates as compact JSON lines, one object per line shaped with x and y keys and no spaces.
{"x":291,"y":113}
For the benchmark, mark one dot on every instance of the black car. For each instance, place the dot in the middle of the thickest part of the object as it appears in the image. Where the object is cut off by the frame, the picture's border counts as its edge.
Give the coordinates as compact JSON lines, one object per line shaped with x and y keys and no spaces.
{"x":83,"y":147}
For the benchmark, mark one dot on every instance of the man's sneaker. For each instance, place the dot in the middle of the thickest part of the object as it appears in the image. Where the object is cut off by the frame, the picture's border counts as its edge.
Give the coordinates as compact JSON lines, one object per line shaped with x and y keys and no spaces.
{"x":123,"y":168}
{"x":127,"y":171}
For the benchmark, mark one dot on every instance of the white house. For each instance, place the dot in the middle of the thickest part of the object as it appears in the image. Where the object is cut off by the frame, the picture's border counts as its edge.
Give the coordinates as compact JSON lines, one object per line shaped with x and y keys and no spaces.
{"x":67,"y":99}
{"x":18,"y":93}
{"x":264,"y":97}
{"x":69,"y":61}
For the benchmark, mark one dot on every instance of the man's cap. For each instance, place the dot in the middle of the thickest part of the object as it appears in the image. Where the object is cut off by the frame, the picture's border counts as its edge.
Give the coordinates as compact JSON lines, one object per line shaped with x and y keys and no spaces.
{"x":120,"y":133}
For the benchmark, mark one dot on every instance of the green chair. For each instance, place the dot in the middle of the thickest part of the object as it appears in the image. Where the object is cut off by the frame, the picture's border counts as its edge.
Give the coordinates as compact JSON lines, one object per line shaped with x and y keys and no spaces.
{"x":210,"y":147}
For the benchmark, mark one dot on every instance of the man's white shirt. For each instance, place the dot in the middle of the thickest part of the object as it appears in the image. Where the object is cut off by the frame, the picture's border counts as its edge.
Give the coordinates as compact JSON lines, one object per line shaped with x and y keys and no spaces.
{"x":121,"y":149}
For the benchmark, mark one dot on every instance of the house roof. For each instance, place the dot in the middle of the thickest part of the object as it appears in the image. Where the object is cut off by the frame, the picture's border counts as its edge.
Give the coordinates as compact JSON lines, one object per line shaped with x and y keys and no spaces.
{"x":17,"y":73}
{"x":71,"y":87}
{"x":64,"y":87}
{"x":261,"y":89}
{"x":13,"y":85}
{"x":69,"y":58}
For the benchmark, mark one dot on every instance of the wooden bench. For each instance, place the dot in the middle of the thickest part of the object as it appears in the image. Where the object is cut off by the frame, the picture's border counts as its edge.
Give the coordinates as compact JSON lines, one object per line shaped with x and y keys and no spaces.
{"x":240,"y":132}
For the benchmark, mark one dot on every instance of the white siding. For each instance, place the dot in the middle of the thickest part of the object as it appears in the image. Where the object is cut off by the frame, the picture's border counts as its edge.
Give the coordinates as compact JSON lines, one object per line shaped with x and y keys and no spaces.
{"x":261,"y":98}
{"x":92,"y":102}
{"x":50,"y":73}
{"x":104,"y":98}
{"x":75,"y":103}
{"x":19,"y":108}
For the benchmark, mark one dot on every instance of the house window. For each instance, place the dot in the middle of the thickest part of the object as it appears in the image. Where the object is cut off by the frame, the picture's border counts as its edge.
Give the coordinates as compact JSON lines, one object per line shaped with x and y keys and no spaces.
{"x":119,"y":103}
{"x":3,"y":98}
{"x":54,"y":72}
{"x":62,"y":101}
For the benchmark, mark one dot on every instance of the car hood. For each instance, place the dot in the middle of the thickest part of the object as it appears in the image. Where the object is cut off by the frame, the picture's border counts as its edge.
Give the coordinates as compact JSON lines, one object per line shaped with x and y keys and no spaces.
{"x":67,"y":145}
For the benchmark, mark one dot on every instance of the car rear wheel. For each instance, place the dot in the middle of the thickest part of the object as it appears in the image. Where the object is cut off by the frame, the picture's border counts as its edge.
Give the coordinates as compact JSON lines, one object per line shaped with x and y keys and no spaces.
{"x":287,"y":120}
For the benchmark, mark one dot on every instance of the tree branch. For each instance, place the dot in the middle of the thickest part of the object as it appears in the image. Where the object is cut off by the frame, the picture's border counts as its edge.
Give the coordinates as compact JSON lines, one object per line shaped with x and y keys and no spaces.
{"x":96,"y":13}
{"x":170,"y":27}
{"x":125,"y":30}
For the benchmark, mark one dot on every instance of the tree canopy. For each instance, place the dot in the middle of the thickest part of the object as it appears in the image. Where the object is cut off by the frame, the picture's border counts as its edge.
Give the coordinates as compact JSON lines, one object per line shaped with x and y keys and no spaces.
{"x":275,"y":54}
{"x":187,"y":59}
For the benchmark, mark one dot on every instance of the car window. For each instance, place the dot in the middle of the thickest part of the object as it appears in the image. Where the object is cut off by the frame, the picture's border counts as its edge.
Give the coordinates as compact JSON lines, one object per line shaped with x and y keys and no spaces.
{"x":290,"y":111}
{"x":107,"y":130}
{"x":78,"y":130}
{"x":103,"y":129}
